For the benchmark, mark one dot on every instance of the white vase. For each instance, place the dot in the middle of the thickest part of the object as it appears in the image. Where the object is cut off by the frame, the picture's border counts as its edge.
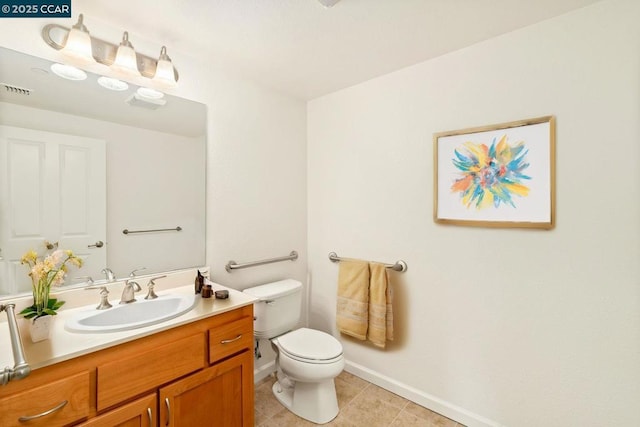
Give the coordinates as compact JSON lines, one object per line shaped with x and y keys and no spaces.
{"x":40,"y":328}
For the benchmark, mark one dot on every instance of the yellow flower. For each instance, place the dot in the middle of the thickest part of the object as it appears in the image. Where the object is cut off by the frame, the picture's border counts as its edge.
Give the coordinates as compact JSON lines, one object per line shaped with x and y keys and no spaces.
{"x":49,"y":263}
{"x":46,"y":272}
{"x":76,"y":261}
{"x":29,"y":257}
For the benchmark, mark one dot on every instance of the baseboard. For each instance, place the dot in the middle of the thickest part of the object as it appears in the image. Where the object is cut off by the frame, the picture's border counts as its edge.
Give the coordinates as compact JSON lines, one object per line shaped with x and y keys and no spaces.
{"x":434,"y":403}
{"x":264,"y":371}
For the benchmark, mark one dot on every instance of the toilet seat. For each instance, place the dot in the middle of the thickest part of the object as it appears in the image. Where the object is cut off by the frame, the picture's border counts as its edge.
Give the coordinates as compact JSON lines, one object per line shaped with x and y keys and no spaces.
{"x":310,"y":346}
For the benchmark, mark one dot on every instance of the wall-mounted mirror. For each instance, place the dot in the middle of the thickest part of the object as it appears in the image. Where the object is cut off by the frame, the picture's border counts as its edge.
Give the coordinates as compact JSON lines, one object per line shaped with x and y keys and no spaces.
{"x":80,"y":164}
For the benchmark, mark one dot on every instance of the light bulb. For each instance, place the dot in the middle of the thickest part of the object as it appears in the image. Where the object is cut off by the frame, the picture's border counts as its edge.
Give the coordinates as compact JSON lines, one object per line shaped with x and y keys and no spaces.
{"x":78,"y":45}
{"x":126,"y":63}
{"x":164,"y":76}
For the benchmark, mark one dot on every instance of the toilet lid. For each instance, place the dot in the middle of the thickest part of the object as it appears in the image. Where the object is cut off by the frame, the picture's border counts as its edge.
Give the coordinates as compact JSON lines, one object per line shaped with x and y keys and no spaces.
{"x":310,"y":344}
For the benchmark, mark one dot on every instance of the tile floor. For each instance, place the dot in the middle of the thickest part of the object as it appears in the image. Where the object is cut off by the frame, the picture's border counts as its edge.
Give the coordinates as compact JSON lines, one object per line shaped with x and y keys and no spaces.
{"x":361,"y":404}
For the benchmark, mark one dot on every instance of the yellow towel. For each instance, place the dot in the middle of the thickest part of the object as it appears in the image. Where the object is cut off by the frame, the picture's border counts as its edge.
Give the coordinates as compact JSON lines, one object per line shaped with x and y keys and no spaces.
{"x":353,"y":298}
{"x":380,"y":306}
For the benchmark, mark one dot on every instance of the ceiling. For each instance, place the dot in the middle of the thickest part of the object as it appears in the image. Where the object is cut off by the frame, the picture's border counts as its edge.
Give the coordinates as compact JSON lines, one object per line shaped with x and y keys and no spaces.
{"x":306,"y":50}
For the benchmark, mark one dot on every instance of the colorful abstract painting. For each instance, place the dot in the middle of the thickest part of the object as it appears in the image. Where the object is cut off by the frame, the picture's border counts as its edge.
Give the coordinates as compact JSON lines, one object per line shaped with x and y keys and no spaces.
{"x":496,"y":176}
{"x":491,"y":175}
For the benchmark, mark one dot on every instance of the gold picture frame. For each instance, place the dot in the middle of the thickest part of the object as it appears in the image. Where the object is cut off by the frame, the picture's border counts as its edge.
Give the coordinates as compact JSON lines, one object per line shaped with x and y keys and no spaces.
{"x":500,"y":176}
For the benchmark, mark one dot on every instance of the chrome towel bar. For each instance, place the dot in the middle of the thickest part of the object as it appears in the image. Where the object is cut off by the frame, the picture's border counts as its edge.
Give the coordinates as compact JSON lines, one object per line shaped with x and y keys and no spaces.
{"x":126,"y":231}
{"x":398,"y":266}
{"x":232,"y":265}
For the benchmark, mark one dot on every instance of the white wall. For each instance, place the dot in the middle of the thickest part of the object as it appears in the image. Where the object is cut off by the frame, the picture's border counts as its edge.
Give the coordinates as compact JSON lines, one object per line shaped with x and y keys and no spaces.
{"x":495,"y":326}
{"x":256,"y":154}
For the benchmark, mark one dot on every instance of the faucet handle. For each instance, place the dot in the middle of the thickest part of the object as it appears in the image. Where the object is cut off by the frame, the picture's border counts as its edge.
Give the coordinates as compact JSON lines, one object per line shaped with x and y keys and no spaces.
{"x":133,"y":273}
{"x":151,"y":294}
{"x":104,"y":297}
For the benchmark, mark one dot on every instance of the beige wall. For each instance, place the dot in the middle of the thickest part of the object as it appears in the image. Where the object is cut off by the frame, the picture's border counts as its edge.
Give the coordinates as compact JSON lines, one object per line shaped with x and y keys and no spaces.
{"x":495,"y":327}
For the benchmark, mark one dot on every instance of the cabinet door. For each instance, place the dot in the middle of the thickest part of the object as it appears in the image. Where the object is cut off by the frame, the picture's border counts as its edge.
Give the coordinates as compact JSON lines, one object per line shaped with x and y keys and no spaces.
{"x":139,"y":413}
{"x":219,"y":396}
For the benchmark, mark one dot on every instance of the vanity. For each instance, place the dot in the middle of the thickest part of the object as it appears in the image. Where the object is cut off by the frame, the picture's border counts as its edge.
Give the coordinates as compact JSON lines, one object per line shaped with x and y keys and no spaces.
{"x":195,"y":369}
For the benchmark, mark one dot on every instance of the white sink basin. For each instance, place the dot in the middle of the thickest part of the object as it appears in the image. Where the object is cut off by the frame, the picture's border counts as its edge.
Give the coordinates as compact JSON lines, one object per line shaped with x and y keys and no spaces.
{"x":131,"y":316}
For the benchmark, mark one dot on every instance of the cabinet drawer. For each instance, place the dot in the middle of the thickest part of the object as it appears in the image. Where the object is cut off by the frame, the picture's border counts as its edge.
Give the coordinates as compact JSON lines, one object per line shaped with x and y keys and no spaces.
{"x":230,"y":338}
{"x":150,"y":366}
{"x":45,"y":405}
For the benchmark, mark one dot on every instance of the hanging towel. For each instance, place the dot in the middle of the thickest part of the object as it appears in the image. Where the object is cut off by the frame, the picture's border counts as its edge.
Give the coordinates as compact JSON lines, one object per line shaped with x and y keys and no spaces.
{"x":353,"y":298}
{"x":380,"y":306}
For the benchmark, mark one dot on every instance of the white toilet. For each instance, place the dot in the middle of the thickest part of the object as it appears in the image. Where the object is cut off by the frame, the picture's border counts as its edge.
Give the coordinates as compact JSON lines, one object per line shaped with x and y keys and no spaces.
{"x":307,"y":360}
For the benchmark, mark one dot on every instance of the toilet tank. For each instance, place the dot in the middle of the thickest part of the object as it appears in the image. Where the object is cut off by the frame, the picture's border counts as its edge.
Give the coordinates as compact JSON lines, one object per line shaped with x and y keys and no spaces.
{"x":278,"y":310}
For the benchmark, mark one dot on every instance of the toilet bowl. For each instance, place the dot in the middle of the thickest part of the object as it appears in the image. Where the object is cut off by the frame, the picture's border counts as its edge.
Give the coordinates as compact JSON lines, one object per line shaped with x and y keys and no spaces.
{"x":307,"y":360}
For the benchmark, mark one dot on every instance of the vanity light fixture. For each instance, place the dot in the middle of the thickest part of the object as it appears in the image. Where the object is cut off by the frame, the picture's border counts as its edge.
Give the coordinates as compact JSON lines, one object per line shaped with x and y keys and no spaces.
{"x":77,"y":46}
{"x":122,"y":60}
{"x":164,"y":76}
{"x":126,"y":62}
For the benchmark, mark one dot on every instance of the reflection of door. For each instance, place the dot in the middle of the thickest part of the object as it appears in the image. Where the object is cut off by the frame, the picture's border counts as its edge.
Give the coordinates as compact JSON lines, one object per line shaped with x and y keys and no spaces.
{"x":52,"y":187}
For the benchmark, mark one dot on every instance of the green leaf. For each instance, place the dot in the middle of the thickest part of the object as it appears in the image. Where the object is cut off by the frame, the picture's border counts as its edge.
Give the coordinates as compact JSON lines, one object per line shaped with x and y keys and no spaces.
{"x":31,"y":310}
{"x":50,"y":309}
{"x":54,"y":304}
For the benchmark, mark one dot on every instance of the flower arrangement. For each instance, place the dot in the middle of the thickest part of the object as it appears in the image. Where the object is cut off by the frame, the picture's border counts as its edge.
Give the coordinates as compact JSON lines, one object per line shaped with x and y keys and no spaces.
{"x":46,"y":271}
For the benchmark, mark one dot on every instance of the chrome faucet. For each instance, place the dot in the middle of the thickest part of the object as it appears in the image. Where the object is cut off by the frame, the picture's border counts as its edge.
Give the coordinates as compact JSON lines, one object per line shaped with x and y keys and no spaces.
{"x":128,"y":293}
{"x":109,"y":274}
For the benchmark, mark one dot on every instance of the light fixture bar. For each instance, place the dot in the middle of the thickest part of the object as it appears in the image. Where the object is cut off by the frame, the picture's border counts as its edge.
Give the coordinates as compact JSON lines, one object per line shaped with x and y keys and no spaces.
{"x":103,"y":52}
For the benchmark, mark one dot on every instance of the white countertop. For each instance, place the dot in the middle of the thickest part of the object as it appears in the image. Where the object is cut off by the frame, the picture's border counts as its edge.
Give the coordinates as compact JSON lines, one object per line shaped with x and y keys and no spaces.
{"x":64,"y":345}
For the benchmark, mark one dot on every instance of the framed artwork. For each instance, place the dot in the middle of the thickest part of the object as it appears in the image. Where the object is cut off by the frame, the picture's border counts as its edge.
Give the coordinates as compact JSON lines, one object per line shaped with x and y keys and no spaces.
{"x":496,"y":176}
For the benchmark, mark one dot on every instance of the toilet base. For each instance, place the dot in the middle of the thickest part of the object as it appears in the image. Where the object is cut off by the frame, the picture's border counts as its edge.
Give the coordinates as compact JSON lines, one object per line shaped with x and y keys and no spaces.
{"x":315,"y":402}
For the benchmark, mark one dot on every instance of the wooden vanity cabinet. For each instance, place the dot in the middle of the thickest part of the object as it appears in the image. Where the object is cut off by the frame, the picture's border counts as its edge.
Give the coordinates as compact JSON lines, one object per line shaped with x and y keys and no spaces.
{"x":196,"y":374}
